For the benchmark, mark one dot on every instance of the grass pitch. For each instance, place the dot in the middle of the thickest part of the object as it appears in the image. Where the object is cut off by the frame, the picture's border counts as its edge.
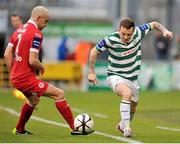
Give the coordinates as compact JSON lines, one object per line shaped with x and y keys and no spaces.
{"x":157,"y":118}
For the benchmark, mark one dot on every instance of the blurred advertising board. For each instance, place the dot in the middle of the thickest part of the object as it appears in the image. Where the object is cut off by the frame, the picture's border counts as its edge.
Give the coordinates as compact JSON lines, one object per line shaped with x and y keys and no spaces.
{"x":156,"y":76}
{"x":87,"y":31}
{"x":100,"y":69}
{"x":3,"y":20}
{"x":161,"y":76}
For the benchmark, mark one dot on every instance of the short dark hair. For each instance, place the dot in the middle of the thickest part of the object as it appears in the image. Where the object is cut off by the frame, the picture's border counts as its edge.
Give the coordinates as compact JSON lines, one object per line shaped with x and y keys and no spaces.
{"x":16,"y":15}
{"x":127,"y":23}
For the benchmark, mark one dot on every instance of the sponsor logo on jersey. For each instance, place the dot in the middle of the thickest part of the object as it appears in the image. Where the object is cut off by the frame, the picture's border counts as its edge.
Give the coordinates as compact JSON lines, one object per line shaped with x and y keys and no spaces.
{"x":129,"y":51}
{"x":21,"y":30}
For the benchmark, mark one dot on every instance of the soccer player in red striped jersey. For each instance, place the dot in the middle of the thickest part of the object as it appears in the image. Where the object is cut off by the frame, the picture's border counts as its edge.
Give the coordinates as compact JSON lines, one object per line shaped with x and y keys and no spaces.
{"x":21,"y":58}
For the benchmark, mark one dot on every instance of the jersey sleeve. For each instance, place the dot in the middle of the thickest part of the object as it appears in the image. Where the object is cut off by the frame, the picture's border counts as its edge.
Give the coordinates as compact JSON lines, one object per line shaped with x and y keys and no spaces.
{"x":36,"y":42}
{"x":144,"y":29}
{"x":11,"y":41}
{"x":103,"y":45}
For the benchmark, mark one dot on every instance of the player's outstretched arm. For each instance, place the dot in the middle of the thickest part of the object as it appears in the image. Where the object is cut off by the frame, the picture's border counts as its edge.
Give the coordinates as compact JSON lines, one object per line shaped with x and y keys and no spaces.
{"x":8,"y":57}
{"x":165,"y":32}
{"x":92,"y":60}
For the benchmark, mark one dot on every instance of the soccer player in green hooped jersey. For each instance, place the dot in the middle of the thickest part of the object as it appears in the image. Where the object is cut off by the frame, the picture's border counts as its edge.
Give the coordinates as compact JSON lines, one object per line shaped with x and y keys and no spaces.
{"x":124,"y":62}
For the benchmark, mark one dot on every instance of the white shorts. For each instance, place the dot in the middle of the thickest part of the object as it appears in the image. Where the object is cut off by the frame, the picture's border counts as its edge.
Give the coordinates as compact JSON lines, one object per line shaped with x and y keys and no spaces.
{"x":112,"y":81}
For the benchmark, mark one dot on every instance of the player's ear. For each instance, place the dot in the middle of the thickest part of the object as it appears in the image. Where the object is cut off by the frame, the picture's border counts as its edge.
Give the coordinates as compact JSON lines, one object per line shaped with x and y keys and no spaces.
{"x":38,"y":18}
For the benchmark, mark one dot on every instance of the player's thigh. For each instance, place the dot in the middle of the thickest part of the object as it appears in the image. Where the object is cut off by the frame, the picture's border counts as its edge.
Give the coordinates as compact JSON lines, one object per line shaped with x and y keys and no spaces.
{"x":120,"y":86}
{"x":123,"y":90}
{"x":54,"y":92}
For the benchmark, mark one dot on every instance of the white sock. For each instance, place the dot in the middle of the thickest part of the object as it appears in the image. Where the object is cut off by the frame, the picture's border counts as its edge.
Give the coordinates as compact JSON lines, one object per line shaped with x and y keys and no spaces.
{"x":125,"y":113}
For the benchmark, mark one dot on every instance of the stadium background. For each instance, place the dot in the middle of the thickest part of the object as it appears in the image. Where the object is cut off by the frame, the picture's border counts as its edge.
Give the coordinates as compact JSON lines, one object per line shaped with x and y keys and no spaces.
{"x":78,"y":23}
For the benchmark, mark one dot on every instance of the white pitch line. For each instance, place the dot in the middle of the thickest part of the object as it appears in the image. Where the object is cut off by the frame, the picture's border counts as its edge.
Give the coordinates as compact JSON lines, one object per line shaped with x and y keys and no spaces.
{"x":99,"y":115}
{"x":166,"y":128}
{"x":117,"y":137}
{"x":13,"y":112}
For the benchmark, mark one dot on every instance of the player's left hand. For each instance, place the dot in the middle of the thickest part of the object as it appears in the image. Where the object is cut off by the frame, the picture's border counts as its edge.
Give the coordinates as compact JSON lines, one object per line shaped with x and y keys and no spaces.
{"x":42,"y":71}
{"x":168,"y":34}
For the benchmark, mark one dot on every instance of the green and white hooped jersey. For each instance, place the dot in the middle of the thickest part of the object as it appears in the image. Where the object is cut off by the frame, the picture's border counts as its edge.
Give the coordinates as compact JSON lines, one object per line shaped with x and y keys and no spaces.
{"x":124,"y":59}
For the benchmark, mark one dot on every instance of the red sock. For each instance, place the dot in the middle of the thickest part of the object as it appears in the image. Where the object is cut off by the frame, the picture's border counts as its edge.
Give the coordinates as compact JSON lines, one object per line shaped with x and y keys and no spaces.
{"x":65,"y":110}
{"x":26,"y":113}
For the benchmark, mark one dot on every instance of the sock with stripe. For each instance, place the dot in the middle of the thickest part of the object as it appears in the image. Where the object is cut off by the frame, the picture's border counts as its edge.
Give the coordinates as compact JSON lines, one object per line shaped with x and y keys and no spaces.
{"x":125,"y":113}
{"x":64,"y":109}
{"x":26,"y":113}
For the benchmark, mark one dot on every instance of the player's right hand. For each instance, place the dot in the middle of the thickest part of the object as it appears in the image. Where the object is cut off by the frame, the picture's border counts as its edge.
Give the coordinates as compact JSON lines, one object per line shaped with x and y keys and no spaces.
{"x":92,"y":78}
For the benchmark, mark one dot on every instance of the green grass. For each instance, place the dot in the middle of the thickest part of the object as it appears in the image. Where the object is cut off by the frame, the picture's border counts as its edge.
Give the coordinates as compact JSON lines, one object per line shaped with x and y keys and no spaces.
{"x":154,"y":109}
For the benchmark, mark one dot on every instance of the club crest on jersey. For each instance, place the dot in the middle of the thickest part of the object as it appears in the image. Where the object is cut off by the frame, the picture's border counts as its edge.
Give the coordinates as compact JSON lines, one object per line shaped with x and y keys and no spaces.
{"x":41,"y":85}
{"x":18,"y":58}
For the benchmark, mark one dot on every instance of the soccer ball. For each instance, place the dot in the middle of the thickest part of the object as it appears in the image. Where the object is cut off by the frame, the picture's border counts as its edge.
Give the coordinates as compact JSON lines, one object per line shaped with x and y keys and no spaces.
{"x":83,"y":123}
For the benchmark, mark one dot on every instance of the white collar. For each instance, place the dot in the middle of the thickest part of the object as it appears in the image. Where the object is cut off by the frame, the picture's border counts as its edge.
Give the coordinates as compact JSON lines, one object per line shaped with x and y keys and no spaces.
{"x":32,"y":22}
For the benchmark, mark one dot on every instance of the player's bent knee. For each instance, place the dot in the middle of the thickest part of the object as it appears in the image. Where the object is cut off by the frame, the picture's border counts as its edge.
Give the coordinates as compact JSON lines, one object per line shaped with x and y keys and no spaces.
{"x":34,"y":100}
{"x":123,"y":90}
{"x":125,"y":93}
{"x":34,"y":103}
